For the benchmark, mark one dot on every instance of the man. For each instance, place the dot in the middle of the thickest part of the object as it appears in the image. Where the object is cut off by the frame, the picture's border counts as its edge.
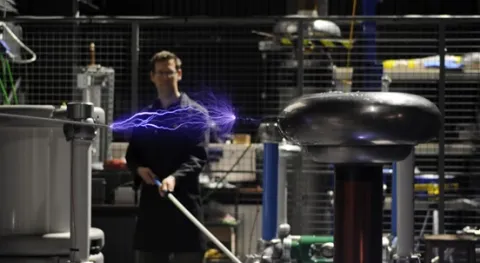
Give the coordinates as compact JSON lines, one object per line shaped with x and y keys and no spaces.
{"x":174,"y":154}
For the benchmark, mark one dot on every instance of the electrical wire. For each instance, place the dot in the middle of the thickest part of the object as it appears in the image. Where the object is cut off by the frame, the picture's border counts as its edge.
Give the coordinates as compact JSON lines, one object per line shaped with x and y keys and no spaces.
{"x":254,"y":226}
{"x":10,"y":75}
{"x":7,"y":73}
{"x":19,"y":42}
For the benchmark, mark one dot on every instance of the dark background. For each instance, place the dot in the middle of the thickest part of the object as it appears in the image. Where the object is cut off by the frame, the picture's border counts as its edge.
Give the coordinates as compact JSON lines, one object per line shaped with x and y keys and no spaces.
{"x":238,"y":7}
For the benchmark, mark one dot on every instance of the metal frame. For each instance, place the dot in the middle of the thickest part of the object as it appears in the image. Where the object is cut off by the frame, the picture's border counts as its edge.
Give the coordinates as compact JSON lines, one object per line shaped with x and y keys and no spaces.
{"x":433,"y":20}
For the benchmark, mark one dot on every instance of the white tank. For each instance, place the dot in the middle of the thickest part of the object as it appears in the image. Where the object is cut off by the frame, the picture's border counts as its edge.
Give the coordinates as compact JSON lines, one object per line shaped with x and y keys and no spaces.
{"x":25,"y":172}
{"x":60,"y":165}
{"x":35,"y":163}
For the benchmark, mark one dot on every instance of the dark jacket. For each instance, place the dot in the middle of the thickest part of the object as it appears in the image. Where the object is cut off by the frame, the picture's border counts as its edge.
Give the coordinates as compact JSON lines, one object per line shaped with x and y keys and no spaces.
{"x":179,"y":149}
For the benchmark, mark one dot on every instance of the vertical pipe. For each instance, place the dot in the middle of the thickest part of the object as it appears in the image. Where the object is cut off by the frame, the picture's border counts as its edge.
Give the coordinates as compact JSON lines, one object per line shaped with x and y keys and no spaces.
{"x":394,"y":214}
{"x":270,"y":187}
{"x":405,"y":205}
{"x":135,"y":49}
{"x":299,"y":168}
{"x":441,"y":136}
{"x":282,"y":189}
{"x":369,"y":8}
{"x":297,"y":187}
{"x":75,"y":11}
{"x":358,"y":213}
{"x":299,"y":57}
{"x":81,"y":199}
{"x":368,"y":73}
{"x":322,"y":8}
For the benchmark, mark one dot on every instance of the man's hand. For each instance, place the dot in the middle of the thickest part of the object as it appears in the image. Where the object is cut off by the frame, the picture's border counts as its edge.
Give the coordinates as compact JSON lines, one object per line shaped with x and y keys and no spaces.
{"x":168,"y":185}
{"x":147,"y":175}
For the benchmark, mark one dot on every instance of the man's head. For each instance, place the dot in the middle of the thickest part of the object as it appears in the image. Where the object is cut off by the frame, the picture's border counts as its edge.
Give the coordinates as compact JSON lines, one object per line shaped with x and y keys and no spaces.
{"x":165,"y":72}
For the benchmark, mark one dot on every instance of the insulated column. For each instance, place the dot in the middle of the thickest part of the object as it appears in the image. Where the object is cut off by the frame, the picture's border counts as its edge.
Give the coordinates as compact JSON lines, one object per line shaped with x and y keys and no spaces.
{"x":81,"y":137}
{"x":270,"y":137}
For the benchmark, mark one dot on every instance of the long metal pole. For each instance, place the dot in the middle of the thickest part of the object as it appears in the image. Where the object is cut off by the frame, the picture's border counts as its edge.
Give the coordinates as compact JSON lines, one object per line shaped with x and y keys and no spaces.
{"x":194,"y":21}
{"x":405,"y":206}
{"x":199,"y":225}
{"x":80,"y":210}
{"x":135,"y":49}
{"x":299,"y":57}
{"x":394,"y":209}
{"x":282,"y":189}
{"x":441,"y":135}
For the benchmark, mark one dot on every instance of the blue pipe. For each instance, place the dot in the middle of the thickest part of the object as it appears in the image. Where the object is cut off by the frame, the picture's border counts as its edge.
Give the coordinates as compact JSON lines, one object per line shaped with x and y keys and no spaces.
{"x":373,"y":70}
{"x":270,"y":191}
{"x":394,"y":200}
{"x":370,"y":30}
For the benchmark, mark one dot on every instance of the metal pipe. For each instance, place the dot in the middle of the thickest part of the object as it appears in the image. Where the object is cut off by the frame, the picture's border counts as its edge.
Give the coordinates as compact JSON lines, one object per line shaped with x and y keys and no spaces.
{"x":135,"y":49}
{"x":80,"y":210}
{"x":270,"y":184}
{"x":434,"y":19}
{"x":299,"y":58}
{"x":202,"y":228}
{"x":199,"y":225}
{"x":405,"y":206}
{"x":394,"y":209}
{"x":282,"y":189}
{"x":441,"y":136}
{"x":50,"y":120}
{"x":358,"y":213}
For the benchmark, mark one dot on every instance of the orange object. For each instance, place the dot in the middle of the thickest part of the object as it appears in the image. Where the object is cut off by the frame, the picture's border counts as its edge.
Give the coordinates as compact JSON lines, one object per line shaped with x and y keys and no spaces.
{"x":115,"y":164}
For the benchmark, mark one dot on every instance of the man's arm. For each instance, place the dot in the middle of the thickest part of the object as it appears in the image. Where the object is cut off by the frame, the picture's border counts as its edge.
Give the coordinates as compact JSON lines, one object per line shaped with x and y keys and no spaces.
{"x":197,"y":158}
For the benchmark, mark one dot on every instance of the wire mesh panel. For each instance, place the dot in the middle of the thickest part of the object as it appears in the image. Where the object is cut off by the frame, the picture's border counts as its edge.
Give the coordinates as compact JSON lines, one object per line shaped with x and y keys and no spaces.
{"x":63,"y":48}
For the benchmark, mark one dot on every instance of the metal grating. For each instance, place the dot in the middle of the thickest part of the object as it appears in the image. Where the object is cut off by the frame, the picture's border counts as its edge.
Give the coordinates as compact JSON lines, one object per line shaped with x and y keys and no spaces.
{"x":226,"y":56}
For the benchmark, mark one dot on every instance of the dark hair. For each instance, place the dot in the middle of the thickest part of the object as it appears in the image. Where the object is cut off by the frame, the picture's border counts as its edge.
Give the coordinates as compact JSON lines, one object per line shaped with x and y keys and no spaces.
{"x":165,"y":56}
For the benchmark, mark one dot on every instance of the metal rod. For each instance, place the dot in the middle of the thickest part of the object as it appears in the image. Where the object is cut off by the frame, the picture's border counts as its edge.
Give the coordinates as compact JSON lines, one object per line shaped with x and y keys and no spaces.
{"x":80,"y":210}
{"x":202,"y":228}
{"x":405,"y":206}
{"x":358,"y":213}
{"x":135,"y":49}
{"x":50,"y":120}
{"x":299,"y":58}
{"x":282,"y":189}
{"x":441,"y":136}
{"x":394,"y":209}
{"x":269,"y":197}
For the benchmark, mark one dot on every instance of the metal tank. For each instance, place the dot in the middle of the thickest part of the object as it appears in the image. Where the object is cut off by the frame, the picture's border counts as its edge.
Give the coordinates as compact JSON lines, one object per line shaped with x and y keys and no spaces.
{"x":25,"y":173}
{"x":35,"y":175}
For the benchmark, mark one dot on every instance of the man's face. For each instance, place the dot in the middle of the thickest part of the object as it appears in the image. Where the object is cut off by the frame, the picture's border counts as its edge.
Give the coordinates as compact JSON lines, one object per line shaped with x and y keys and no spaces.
{"x":166,"y":76}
